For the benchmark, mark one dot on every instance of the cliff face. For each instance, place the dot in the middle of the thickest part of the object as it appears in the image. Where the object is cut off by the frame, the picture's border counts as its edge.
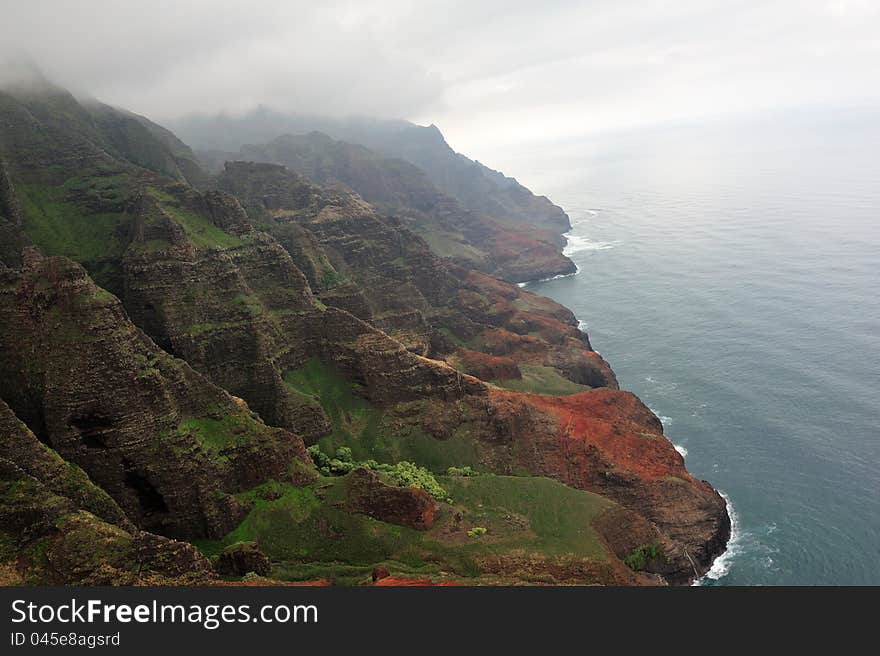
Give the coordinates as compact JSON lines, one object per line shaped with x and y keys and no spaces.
{"x":429,"y":305}
{"x":64,"y":529}
{"x":465,"y":211}
{"x":206,"y":336}
{"x":476,"y":187}
{"x":516,"y":240}
{"x":167,"y":445}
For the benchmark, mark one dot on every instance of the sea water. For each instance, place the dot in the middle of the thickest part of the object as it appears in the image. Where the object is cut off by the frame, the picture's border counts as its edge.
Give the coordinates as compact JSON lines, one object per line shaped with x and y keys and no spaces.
{"x":730,"y":274}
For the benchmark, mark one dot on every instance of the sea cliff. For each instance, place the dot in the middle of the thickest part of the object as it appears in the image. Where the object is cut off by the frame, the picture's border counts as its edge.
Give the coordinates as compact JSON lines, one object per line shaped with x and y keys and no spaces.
{"x":312,"y":356}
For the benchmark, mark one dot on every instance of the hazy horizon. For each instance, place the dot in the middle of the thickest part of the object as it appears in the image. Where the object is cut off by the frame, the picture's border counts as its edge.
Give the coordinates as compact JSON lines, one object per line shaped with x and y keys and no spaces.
{"x":493,"y":76}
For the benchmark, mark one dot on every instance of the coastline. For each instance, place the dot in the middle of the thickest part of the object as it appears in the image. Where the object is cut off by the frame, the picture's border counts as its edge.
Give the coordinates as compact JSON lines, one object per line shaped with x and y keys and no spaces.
{"x":719,"y":562}
{"x":526,"y":283}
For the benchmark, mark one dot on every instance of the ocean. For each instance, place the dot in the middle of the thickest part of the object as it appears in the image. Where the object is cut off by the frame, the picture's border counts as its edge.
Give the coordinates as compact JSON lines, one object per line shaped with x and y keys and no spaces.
{"x":730,"y":274}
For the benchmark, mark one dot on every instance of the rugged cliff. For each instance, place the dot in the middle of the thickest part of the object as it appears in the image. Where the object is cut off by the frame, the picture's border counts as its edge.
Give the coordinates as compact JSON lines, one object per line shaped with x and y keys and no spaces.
{"x":464,"y":210}
{"x":179,"y":339}
{"x":58,"y":527}
{"x":518,"y":246}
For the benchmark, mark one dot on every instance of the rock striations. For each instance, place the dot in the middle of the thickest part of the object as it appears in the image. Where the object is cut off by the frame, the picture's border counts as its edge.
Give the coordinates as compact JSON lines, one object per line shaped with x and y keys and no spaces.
{"x":172,"y":341}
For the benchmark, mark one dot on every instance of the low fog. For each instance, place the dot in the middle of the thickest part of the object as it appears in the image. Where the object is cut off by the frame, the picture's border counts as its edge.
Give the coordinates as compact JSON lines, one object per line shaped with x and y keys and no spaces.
{"x":491,"y":75}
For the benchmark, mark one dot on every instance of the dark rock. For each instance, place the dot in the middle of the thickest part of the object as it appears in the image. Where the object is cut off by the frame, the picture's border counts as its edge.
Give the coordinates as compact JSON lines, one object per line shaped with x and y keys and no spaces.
{"x":242,"y":558}
{"x":57,"y":543}
{"x":98,"y":391}
{"x":407,"y":506}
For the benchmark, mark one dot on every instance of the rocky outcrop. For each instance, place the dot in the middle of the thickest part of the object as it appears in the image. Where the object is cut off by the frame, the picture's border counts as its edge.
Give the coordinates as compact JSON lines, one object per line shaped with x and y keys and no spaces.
{"x":485,"y":366}
{"x":19,"y":445}
{"x":12,"y":238}
{"x":51,"y":541}
{"x":406,"y":506}
{"x":609,"y":442}
{"x":243,"y":558}
{"x":162,"y":441}
{"x":58,"y":527}
{"x":217,"y":308}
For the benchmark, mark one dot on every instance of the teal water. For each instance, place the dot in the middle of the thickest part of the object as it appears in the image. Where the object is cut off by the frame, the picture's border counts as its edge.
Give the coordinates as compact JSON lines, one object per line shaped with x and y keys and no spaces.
{"x":731,"y":277}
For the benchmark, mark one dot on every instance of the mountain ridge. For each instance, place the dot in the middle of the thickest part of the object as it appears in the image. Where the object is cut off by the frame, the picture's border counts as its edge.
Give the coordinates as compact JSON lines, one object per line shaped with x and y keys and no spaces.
{"x":523,"y":231}
{"x":213,"y":327}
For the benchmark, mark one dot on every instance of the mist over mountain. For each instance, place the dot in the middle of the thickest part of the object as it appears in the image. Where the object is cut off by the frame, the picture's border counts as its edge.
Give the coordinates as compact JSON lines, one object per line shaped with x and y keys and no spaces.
{"x":248,"y":360}
{"x":493,"y":75}
{"x":380,"y":145}
{"x":262,"y":320}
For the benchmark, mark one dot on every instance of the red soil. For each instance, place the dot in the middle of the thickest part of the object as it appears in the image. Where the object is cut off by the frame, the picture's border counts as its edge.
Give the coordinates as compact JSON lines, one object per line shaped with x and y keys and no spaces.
{"x":617,"y":425}
{"x":407,"y":581}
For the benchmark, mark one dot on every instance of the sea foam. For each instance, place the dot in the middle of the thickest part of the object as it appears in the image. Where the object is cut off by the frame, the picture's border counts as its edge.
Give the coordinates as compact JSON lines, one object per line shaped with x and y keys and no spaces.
{"x":579,"y":244}
{"x":721,"y":565}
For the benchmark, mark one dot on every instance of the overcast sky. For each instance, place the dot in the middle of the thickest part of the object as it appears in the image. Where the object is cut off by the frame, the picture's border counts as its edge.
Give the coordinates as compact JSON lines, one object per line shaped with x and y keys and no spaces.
{"x":491,"y":75}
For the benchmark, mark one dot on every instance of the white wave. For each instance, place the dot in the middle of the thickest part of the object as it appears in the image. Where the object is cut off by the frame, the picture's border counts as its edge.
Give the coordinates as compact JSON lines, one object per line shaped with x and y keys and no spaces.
{"x":666,"y":421}
{"x":583,"y":325}
{"x":576,"y":271}
{"x":577,"y":244}
{"x":663,"y":387}
{"x":663,"y":418}
{"x":722,"y":564}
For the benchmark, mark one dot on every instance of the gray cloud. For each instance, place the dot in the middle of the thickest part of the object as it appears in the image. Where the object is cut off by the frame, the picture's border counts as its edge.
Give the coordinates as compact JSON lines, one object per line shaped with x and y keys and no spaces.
{"x":492,"y":74}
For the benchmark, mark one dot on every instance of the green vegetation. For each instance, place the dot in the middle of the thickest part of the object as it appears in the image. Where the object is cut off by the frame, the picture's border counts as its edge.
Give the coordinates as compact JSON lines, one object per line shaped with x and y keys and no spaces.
{"x":331,"y":277}
{"x":640,"y":556}
{"x":61,"y":226}
{"x":355,"y":422}
{"x":82,"y":219}
{"x":199,"y":229}
{"x":360,"y":426}
{"x":540,"y":379}
{"x":250,"y":304}
{"x":534,"y":513}
{"x":462,"y":471}
{"x":219,"y":431}
{"x":452,"y":245}
{"x":402,"y":474}
{"x":308,"y":534}
{"x":452,"y":337}
{"x":342,"y":464}
{"x":306,"y":531}
{"x":407,"y":474}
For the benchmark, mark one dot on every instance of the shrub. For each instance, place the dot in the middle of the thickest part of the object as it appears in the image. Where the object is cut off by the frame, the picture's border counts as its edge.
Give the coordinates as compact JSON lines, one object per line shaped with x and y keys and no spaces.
{"x":640,"y":556}
{"x":321,"y":459}
{"x":408,"y":474}
{"x":477,"y":532}
{"x":340,"y":468}
{"x":404,"y":474}
{"x":462,"y":471}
